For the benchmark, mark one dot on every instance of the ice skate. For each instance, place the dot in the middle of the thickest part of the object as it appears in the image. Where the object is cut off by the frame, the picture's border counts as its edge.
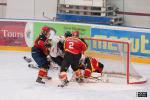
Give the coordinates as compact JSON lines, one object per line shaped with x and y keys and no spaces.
{"x":79,"y":80}
{"x":48,"y":77}
{"x":64,"y":83}
{"x":39,"y":80}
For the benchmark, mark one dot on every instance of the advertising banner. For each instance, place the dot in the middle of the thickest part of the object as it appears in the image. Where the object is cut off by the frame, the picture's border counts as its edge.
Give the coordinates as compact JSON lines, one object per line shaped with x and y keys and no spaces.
{"x":15,"y":34}
{"x":62,"y":28}
{"x":140,"y":40}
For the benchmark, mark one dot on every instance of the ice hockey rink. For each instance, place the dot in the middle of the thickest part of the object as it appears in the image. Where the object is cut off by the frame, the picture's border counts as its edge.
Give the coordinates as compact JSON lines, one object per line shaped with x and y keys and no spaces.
{"x":17,"y":82}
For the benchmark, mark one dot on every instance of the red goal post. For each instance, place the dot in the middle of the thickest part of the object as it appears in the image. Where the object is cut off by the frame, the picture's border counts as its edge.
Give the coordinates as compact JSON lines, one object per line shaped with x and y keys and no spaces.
{"x":117,"y":53}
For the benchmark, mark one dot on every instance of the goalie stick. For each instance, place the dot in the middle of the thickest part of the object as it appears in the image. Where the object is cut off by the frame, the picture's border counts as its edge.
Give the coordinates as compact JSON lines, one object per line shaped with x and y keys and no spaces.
{"x":89,"y":80}
{"x":96,"y":79}
{"x":92,"y":79}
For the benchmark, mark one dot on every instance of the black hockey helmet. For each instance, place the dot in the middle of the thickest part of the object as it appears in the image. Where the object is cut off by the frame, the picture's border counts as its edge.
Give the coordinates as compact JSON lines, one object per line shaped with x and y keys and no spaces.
{"x":67,"y":34}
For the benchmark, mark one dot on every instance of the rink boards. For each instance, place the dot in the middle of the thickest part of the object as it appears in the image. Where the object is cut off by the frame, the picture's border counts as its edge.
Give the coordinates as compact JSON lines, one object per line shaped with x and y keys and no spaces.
{"x":93,"y":54}
{"x":18,"y":35}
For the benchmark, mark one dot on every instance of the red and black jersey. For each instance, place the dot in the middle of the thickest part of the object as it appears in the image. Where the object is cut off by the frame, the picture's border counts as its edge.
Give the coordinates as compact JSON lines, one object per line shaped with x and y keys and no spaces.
{"x":75,"y":45}
{"x":40,"y":43}
{"x":92,"y":65}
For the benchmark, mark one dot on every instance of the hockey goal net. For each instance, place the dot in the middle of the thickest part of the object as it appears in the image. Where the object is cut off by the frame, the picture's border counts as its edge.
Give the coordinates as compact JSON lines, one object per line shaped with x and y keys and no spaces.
{"x":115,"y":55}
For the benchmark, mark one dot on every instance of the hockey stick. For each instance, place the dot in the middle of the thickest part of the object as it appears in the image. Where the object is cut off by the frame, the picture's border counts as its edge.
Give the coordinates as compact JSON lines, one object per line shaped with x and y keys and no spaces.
{"x":33,"y":66}
{"x":27,"y":59}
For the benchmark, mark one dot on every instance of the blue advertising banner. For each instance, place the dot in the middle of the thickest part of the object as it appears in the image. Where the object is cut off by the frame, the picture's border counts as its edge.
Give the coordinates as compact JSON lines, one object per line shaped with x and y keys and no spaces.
{"x":140,"y":40}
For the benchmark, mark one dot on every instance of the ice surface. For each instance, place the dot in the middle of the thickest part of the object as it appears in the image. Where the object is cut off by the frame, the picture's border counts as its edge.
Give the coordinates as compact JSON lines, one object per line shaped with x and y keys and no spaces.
{"x":17,"y":82}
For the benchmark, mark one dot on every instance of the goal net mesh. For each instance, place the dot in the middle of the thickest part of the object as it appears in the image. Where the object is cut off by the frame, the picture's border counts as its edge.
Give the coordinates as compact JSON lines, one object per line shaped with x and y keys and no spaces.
{"x":115,"y":55}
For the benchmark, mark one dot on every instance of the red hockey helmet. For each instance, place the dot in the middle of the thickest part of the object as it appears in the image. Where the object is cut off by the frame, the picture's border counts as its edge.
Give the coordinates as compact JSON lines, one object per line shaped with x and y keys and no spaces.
{"x":75,"y":33}
{"x":46,"y":29}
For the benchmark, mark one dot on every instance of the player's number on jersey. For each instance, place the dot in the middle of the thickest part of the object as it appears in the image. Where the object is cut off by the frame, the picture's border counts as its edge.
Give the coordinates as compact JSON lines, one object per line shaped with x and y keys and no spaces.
{"x":71,"y":45}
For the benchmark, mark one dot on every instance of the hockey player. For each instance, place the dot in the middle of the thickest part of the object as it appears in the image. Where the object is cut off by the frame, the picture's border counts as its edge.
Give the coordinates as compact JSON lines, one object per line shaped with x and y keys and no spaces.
{"x":52,"y":34}
{"x":57,"y":50}
{"x":40,"y":50}
{"x":89,"y":65}
{"x":74,"y":47}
